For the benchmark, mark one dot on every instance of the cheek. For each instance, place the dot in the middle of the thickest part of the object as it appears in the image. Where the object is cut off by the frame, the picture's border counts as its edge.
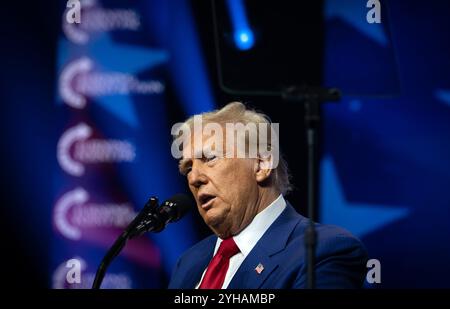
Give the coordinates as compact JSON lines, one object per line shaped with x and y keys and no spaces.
{"x":234,"y":174}
{"x":233,"y":181}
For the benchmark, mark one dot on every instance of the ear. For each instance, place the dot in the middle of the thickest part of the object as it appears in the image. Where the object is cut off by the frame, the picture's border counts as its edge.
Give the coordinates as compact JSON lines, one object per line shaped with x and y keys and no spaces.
{"x":263,"y":168}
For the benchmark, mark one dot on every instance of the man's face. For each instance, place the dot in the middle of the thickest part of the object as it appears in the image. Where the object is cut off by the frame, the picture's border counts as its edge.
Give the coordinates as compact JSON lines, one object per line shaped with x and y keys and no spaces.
{"x":225,"y":189}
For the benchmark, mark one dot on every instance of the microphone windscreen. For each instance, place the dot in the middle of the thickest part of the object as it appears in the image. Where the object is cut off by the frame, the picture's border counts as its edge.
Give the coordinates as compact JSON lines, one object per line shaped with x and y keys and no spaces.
{"x":179,"y":205}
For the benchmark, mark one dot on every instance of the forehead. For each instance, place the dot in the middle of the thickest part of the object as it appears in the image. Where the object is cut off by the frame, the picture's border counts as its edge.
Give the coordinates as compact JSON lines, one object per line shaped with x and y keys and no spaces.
{"x":194,"y":145}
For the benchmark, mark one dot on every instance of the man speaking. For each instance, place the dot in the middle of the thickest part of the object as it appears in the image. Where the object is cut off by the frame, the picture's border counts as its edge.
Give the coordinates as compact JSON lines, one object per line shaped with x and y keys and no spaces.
{"x":238,"y":178}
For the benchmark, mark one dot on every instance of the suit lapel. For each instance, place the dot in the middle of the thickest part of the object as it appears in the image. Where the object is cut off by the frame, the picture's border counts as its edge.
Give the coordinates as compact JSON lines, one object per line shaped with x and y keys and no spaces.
{"x":247,"y":276}
{"x":273,"y":241}
{"x":199,"y":263}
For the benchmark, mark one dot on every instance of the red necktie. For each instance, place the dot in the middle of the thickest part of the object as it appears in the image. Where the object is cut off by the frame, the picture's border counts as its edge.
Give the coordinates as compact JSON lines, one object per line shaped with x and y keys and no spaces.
{"x":217,"y":268}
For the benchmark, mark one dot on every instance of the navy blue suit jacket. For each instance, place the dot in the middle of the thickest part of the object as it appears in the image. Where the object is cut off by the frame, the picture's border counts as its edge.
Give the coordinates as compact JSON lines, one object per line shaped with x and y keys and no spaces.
{"x":340,"y":258}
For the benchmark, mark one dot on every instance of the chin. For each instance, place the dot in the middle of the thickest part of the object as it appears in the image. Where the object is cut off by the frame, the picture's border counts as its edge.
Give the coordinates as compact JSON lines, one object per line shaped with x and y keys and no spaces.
{"x":213,"y":216}
{"x":213,"y":222}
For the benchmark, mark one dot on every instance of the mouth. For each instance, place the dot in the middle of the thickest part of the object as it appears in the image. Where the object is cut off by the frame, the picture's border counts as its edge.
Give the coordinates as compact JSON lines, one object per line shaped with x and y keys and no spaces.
{"x":206,"y":200}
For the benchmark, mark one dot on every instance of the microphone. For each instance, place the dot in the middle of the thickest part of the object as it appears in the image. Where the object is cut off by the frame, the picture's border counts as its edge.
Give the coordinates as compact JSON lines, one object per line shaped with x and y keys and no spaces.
{"x":150,"y":219}
{"x":156,"y":219}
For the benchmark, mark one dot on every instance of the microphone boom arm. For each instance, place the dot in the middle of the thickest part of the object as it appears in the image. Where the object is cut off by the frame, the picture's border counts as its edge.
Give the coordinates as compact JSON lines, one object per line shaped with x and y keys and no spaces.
{"x":151,"y":219}
{"x":121,"y":241}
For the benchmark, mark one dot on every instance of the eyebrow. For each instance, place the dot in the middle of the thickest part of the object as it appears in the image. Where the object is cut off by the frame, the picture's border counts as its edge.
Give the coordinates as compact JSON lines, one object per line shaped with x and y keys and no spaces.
{"x":185,"y":163}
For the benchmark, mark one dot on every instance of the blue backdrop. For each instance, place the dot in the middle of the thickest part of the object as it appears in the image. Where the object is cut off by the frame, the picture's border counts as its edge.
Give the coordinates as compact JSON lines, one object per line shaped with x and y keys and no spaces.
{"x":386,"y":169}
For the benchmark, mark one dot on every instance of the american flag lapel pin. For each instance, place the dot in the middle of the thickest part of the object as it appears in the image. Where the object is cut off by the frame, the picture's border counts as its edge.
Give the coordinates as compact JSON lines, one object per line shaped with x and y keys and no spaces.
{"x":259,"y":269}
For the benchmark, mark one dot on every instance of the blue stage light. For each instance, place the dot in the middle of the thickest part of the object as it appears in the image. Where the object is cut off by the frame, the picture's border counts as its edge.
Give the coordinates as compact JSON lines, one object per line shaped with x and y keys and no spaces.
{"x":244,"y":39}
{"x":243,"y":35}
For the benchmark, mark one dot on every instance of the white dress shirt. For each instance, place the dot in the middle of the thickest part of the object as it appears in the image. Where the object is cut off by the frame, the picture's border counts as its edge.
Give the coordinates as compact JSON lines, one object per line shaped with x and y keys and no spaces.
{"x":249,"y":236}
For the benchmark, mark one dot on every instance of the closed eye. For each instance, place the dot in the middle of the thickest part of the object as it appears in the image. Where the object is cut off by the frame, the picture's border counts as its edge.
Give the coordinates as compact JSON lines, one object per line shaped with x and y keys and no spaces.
{"x":210,"y":158}
{"x":187,"y":170}
{"x":185,"y":166}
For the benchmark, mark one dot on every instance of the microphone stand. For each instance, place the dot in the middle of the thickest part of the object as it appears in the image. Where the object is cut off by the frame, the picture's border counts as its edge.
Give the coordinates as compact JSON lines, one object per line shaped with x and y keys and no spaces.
{"x":120,"y":242}
{"x":108,"y":258}
{"x":312,"y":99}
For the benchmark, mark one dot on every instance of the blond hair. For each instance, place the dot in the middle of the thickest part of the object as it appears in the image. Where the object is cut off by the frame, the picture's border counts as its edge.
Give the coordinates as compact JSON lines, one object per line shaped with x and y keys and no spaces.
{"x":237,"y":112}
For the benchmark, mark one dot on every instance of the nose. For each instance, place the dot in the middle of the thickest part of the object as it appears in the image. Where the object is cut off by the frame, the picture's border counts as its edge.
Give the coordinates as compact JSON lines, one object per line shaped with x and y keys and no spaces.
{"x":197,"y":177}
